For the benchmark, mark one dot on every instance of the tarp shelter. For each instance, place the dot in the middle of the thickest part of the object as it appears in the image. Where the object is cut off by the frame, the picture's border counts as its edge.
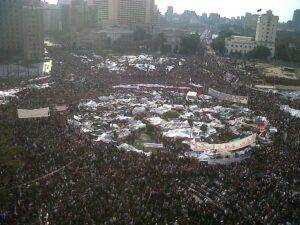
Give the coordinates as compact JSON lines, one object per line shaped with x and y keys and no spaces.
{"x":291,"y":111}
{"x":33,"y":113}
{"x":191,"y":96}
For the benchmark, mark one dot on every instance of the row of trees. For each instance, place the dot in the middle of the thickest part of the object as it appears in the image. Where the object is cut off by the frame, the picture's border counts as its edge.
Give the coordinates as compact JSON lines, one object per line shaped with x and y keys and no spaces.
{"x":288,"y":46}
{"x":189,"y":44}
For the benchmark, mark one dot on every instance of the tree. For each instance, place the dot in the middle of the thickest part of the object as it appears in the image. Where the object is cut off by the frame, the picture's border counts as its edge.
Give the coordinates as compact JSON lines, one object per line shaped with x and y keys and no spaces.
{"x":189,"y":44}
{"x":282,"y":52}
{"x":260,"y":52}
{"x":140,"y":34}
{"x":160,"y":43}
{"x":287,"y":46}
{"x":218,"y":44}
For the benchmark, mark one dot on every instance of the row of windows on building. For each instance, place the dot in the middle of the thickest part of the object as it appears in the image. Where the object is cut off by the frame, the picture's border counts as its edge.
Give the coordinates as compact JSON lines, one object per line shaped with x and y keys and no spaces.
{"x":241,"y":46}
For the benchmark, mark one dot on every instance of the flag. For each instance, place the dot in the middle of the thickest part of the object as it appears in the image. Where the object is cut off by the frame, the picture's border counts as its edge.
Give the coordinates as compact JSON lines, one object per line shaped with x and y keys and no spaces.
{"x":259,"y":10}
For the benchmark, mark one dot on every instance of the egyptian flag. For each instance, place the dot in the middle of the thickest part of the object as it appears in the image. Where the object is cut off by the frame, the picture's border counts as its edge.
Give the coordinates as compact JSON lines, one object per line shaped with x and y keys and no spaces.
{"x":259,"y":10}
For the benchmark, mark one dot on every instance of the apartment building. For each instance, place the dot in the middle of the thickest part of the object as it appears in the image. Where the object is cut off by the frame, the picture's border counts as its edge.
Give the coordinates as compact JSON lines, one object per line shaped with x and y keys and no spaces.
{"x":250,"y":21}
{"x":21,"y":29}
{"x":128,"y":13}
{"x":266,"y":31}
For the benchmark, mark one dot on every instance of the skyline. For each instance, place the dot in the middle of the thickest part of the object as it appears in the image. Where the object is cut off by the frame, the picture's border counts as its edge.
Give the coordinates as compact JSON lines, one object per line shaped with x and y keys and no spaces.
{"x":229,"y":8}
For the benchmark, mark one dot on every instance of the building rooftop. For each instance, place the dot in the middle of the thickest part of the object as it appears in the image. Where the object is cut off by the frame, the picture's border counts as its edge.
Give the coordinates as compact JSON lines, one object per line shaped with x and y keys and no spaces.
{"x":241,"y":39}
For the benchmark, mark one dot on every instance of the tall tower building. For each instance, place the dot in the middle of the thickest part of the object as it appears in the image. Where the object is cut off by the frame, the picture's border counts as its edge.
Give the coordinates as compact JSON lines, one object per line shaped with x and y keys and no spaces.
{"x":169,"y":13}
{"x":10,"y":29}
{"x":296,"y":19}
{"x":21,"y":28}
{"x":33,"y":32}
{"x":266,"y":31}
{"x":129,"y":13}
{"x":250,"y":21}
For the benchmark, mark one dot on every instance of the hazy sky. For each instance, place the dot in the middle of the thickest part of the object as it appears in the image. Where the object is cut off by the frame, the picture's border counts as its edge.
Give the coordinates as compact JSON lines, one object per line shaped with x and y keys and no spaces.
{"x":283,"y":8}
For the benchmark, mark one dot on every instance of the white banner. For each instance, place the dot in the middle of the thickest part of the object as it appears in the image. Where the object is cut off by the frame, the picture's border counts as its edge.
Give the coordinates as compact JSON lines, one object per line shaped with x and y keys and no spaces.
{"x":227,"y":97}
{"x":291,"y":111}
{"x":61,"y":108}
{"x":33,"y":113}
{"x":223,"y":148}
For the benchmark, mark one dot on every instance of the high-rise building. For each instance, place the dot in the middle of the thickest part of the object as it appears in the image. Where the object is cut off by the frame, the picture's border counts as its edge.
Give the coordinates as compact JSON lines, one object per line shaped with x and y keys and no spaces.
{"x":129,"y":13}
{"x":250,"y":21}
{"x":21,"y":28}
{"x":75,"y":15}
{"x":33,"y":32}
{"x":296,"y":19}
{"x":51,"y":18}
{"x":266,"y":31}
{"x":79,"y":14}
{"x":10,"y":29}
{"x":214,"y":18}
{"x":169,"y":13}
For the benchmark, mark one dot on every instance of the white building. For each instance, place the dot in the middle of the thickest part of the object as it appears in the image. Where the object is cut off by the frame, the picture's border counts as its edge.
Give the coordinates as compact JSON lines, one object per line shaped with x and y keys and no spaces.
{"x":239,"y":44}
{"x":265,"y":36}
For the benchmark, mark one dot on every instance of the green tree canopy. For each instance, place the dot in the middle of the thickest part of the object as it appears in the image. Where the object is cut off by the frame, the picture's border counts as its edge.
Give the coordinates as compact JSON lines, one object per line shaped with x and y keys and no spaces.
{"x":260,"y":52}
{"x":218,"y":44}
{"x":189,"y":44}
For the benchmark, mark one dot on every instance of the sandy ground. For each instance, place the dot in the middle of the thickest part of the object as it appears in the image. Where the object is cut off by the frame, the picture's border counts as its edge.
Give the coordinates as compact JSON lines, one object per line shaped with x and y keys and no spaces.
{"x":278,"y":71}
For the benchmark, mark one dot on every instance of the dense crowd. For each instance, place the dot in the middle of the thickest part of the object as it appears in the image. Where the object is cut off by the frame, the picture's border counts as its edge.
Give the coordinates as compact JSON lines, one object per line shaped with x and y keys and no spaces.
{"x":65,"y":178}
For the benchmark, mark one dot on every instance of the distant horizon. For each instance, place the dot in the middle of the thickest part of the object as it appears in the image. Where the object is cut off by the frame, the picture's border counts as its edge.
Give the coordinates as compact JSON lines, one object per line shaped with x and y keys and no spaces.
{"x":229,"y":8}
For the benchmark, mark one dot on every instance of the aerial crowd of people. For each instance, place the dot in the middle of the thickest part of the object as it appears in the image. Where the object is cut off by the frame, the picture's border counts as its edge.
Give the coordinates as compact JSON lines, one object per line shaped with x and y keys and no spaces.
{"x":63,"y":177}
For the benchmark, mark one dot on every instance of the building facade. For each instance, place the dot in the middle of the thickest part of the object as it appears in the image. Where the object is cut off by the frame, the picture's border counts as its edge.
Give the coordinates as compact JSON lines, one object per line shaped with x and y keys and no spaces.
{"x":51,"y":18}
{"x":239,"y":44}
{"x":296,"y":19}
{"x":128,"y":13}
{"x":21,"y":29}
{"x":33,"y":32}
{"x":11,"y":17}
{"x":250,"y":21}
{"x":266,"y":31}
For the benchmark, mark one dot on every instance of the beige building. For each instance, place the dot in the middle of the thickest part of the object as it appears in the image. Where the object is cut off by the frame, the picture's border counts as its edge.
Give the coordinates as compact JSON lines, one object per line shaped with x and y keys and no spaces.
{"x":128,"y":13}
{"x":239,"y":44}
{"x":265,"y":36}
{"x":266,"y":31}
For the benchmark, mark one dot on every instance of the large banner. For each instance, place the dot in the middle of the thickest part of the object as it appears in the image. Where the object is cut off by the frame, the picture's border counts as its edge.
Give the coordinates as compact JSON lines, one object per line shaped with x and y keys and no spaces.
{"x":33,"y":113}
{"x":61,"y":108}
{"x":227,"y":97}
{"x":223,"y":148}
{"x":291,"y":111}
